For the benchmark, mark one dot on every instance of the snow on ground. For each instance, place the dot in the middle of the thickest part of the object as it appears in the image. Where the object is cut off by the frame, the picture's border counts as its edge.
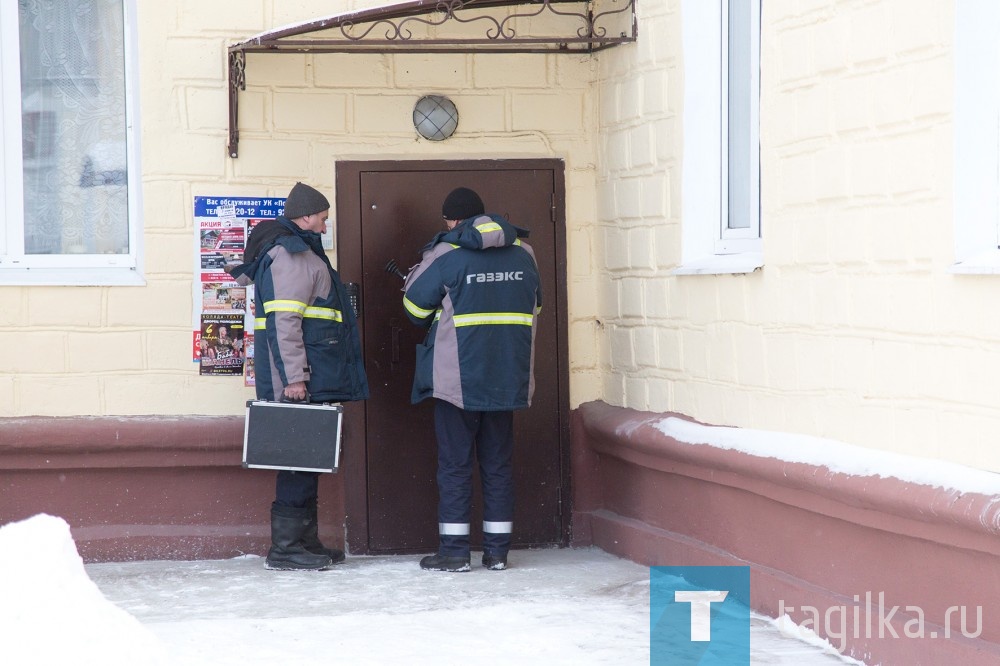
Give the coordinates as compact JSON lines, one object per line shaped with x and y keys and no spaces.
{"x":52,"y":613}
{"x":554,"y":606}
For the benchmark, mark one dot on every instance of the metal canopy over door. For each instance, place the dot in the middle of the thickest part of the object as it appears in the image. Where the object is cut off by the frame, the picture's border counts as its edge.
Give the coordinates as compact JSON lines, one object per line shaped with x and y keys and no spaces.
{"x":389,"y":211}
{"x":430,"y":26}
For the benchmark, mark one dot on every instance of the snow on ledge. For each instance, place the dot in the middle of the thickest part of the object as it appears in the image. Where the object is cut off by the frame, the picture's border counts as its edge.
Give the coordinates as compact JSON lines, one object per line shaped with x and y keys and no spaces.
{"x":787,"y":628}
{"x":835,"y":455}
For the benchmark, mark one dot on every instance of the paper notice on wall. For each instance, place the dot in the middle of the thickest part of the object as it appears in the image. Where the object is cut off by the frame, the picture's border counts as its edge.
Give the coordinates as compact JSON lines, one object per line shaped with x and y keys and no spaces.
{"x":226,"y":210}
{"x":221,"y":246}
{"x":222,"y":344}
{"x":222,"y":226}
{"x":249,"y":376}
{"x":223,"y":296}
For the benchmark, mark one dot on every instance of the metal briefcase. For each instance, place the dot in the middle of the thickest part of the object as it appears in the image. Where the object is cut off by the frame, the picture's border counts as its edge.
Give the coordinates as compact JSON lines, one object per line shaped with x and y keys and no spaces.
{"x":293,"y":436}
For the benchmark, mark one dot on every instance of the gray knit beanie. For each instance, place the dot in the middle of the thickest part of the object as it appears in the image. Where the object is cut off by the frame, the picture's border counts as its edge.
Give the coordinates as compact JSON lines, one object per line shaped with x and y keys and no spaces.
{"x":304,"y":200}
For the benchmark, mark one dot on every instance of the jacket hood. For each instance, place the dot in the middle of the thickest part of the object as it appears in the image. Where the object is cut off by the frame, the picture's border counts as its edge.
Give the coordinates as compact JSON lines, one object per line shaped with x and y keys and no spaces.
{"x":268,"y":233}
{"x":481,"y":232}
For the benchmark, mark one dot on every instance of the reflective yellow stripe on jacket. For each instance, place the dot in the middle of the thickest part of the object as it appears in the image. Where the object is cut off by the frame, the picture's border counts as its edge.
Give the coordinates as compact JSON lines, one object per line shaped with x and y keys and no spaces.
{"x":415,"y":309}
{"x":487,"y":227}
{"x":313,"y":312}
{"x":491,"y":318}
{"x":301,"y":308}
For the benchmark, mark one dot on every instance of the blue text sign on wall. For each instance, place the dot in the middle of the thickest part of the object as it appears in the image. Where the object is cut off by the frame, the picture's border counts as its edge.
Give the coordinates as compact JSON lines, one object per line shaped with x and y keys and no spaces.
{"x":245,"y":207}
{"x":699,"y":616}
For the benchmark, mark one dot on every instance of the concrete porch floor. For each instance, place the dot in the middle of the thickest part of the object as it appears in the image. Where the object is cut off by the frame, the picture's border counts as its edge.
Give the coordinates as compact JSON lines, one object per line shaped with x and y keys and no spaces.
{"x":559,"y":606}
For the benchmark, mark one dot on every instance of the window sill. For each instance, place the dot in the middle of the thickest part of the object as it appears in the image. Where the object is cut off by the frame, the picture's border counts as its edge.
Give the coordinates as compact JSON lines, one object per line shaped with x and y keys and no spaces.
{"x":71,"y":277}
{"x":984,"y":263}
{"x":722,"y":264}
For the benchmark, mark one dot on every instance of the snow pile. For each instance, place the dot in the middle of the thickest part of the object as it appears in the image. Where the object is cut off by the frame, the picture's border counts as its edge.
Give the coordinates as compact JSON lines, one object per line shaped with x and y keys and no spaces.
{"x":786,"y":627}
{"x":52,"y":613}
{"x":834,"y":455}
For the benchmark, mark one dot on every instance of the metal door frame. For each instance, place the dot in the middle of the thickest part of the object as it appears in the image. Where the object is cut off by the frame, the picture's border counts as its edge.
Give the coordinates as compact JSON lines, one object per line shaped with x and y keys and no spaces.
{"x":349,"y":259}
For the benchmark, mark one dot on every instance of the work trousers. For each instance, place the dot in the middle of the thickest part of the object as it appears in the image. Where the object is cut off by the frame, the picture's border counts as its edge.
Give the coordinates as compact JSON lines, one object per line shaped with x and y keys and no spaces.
{"x":296,"y":489}
{"x":465,"y":437}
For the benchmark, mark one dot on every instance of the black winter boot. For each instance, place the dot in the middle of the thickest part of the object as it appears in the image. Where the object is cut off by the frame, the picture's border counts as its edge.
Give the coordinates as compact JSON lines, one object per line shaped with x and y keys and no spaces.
{"x":288,"y":524}
{"x":310,"y":537}
{"x":440,"y":562}
{"x":495,"y":561}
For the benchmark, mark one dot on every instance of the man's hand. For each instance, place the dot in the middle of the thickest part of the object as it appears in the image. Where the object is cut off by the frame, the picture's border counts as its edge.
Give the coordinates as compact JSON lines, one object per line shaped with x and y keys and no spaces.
{"x":295,"y":391}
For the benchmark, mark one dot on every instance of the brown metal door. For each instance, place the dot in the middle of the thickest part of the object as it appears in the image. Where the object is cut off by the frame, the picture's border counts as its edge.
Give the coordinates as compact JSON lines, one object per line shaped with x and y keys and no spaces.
{"x":400,"y":211}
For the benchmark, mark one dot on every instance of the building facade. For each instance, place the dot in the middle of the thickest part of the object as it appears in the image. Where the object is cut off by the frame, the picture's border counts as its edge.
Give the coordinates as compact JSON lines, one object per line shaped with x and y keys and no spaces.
{"x":778,"y":217}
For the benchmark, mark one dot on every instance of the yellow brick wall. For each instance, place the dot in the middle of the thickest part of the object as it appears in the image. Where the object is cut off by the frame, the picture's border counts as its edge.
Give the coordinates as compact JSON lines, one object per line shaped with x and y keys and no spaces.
{"x":854,"y":329}
{"x":127,"y":350}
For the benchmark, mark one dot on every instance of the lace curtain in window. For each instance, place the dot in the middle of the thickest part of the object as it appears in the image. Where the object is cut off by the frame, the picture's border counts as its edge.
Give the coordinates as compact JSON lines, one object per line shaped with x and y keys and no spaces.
{"x":74,"y":126}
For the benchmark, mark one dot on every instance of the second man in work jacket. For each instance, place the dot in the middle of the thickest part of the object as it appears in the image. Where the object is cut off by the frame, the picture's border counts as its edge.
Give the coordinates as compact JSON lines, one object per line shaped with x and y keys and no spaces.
{"x":477,"y":291}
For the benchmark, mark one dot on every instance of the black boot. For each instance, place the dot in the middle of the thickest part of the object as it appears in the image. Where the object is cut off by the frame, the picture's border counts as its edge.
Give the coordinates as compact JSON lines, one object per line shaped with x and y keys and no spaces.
{"x":495,"y":561}
{"x":310,"y":537}
{"x":288,"y":524}
{"x":445,"y":563}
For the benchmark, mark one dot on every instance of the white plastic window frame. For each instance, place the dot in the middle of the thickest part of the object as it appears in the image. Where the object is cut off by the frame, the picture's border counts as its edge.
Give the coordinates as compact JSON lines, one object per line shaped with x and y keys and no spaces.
{"x":709,"y":245}
{"x":976,"y":205}
{"x":16,"y":267}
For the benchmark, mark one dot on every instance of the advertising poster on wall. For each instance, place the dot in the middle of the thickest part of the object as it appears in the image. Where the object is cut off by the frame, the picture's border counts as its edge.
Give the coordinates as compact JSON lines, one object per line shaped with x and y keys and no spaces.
{"x":222,"y":226}
{"x":221,"y":344}
{"x":249,"y":377}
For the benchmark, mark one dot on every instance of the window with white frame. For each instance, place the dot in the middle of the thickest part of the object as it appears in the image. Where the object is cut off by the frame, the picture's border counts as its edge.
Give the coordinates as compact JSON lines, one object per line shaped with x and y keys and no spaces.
{"x":69,"y":168}
{"x":977,"y":137}
{"x":721,"y":166}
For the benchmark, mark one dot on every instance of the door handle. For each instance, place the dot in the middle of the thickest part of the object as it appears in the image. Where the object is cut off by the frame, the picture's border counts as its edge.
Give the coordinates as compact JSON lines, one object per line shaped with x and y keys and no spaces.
{"x":395,"y":331}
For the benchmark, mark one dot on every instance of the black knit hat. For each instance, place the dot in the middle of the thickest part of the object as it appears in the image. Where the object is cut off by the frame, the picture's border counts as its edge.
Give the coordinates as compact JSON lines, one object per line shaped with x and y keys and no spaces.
{"x":304,"y":200}
{"x":462,"y":203}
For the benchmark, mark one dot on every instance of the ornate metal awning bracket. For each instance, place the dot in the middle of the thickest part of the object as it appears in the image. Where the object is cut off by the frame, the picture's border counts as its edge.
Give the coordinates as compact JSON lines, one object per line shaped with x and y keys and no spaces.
{"x":445,"y":26}
{"x":237,"y":82}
